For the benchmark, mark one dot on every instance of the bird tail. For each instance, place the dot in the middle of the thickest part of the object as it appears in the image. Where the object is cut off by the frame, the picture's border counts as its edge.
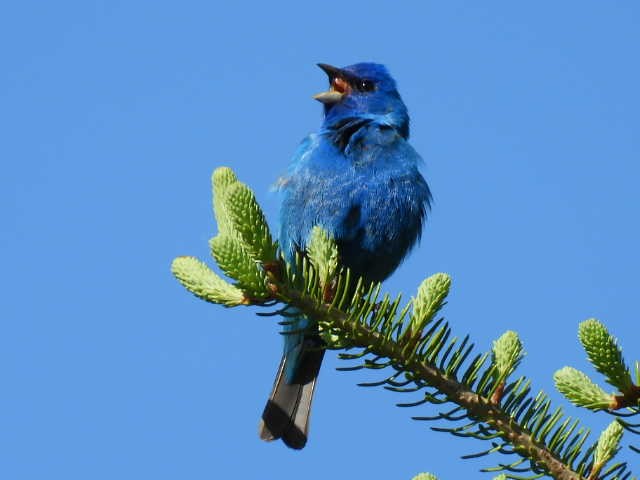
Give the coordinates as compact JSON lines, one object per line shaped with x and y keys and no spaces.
{"x":286,"y":414}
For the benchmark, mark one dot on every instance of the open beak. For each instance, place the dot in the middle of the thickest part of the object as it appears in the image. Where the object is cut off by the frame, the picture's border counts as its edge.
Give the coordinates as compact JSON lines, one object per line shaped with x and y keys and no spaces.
{"x":338,"y":85}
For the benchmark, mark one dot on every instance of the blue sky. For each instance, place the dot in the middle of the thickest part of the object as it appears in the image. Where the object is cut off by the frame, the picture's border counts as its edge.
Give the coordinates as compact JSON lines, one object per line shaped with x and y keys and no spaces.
{"x":114,"y":115}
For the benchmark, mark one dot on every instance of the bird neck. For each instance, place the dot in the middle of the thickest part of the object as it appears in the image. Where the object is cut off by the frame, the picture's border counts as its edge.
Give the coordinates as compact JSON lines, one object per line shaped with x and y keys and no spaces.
{"x":384,"y":107}
{"x":336,"y":121}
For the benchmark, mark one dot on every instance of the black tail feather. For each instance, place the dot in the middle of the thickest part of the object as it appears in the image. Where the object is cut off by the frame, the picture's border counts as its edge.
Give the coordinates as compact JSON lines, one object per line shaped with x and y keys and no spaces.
{"x":286,"y":415}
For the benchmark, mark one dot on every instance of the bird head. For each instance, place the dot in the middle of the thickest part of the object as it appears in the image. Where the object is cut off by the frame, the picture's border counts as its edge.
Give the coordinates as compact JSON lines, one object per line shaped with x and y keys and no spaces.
{"x":364,"y":90}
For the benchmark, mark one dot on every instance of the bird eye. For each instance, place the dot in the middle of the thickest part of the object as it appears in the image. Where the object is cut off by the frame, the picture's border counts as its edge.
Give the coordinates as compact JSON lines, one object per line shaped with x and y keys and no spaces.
{"x":366,"y":86}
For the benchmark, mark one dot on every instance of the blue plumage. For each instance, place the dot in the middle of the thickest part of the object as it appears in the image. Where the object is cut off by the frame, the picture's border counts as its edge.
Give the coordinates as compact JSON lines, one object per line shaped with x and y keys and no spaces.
{"x":357,"y":178}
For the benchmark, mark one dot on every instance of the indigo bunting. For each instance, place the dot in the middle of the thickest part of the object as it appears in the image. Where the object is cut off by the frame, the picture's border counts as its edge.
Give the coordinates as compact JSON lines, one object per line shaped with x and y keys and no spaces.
{"x":358,"y":179}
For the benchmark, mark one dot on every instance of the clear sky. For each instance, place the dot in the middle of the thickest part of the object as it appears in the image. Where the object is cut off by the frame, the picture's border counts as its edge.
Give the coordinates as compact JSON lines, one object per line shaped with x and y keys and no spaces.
{"x":113,"y":115}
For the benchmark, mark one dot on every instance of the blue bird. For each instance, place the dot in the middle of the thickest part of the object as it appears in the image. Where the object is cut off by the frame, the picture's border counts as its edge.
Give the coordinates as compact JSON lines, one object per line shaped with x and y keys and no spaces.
{"x":357,"y":178}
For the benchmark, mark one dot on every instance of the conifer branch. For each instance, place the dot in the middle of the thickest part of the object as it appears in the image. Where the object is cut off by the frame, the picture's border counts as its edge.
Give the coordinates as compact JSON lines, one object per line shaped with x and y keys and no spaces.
{"x":418,"y":346}
{"x":479,"y":408}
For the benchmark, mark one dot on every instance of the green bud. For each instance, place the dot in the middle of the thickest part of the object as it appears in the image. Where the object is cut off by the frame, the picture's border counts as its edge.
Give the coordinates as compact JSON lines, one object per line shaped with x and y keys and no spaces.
{"x":605,"y":354}
{"x":247,"y":220}
{"x":323,"y":254}
{"x":580,"y":390}
{"x":507,"y":353}
{"x":196,"y":277}
{"x":425,"y":476}
{"x":608,"y":444}
{"x":430,"y":299}
{"x":221,"y":179}
{"x":232,"y":257}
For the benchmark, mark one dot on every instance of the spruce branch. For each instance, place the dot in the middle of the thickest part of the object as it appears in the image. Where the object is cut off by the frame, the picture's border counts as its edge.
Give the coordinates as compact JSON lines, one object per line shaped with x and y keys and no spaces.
{"x":525,"y":434}
{"x":420,"y":349}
